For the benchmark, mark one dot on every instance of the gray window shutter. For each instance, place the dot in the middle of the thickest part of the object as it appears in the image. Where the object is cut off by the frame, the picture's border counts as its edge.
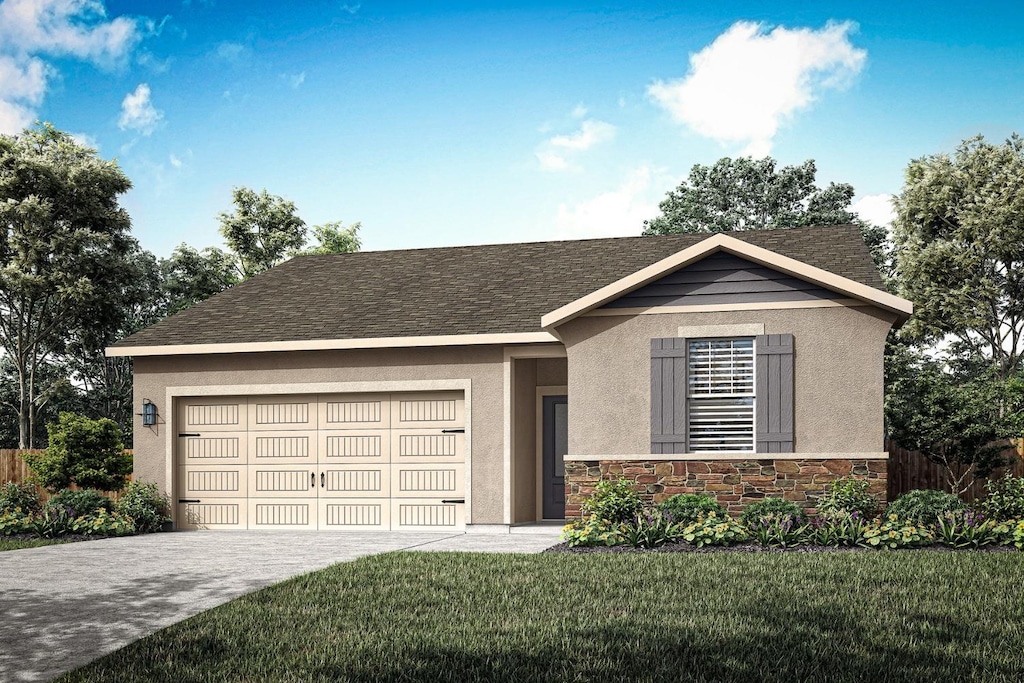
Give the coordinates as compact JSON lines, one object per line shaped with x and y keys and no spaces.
{"x":773,"y":393}
{"x":668,"y":395}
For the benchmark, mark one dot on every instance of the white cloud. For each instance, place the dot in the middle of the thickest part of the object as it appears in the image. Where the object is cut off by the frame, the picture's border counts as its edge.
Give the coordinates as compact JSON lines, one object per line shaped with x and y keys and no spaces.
{"x":175,"y":161}
{"x":750,"y":80}
{"x":351,"y":9}
{"x":553,"y":154}
{"x":295,"y":80}
{"x":579,"y":111}
{"x":34,"y":31}
{"x":85,"y":140}
{"x":138,"y":112}
{"x":233,"y":53}
{"x":618,"y":212}
{"x":875,"y":208}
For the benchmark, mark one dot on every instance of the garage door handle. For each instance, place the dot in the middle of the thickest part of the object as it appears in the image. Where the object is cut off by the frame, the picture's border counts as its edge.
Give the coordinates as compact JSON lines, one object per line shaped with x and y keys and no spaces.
{"x":321,"y":480}
{"x":189,"y":500}
{"x":454,"y":500}
{"x":190,"y":434}
{"x":453,"y":431}
{"x":312,"y":480}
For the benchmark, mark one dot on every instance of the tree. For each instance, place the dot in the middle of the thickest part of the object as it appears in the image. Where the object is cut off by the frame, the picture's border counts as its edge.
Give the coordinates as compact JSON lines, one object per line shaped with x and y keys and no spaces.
{"x":753,"y":194}
{"x":951,"y":413}
{"x":959,"y":245}
{"x":83,"y":452}
{"x":334,"y":238}
{"x":261,"y":232}
{"x":190,"y":276}
{"x":61,"y":232}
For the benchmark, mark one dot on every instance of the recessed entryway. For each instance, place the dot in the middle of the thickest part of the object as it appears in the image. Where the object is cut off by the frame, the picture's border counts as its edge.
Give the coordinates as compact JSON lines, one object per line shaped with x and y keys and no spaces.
{"x":555,"y":436}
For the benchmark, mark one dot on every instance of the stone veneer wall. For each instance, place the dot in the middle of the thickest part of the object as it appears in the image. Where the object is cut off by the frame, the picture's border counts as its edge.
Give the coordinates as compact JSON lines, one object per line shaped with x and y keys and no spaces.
{"x":736,"y":483}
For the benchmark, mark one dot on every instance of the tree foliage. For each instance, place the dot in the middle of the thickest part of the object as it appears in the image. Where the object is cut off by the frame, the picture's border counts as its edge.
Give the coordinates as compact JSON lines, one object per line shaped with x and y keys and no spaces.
{"x":82,"y":452}
{"x":62,"y":238}
{"x":190,"y":276}
{"x":334,"y":238}
{"x":261,"y":232}
{"x":959,"y":243}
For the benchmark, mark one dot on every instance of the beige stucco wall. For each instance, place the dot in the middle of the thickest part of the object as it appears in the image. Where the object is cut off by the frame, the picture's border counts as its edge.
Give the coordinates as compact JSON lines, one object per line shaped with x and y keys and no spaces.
{"x":481,"y":365}
{"x":838,"y":376}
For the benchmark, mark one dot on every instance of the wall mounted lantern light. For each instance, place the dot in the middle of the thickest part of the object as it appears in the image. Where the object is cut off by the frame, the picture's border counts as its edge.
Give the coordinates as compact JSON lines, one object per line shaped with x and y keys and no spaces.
{"x":148,"y":413}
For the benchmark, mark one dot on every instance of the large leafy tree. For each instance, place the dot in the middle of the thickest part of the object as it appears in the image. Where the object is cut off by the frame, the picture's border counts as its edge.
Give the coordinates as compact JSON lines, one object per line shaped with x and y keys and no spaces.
{"x":757,"y":194}
{"x":261,"y":232}
{"x":190,"y":276}
{"x":62,"y":232}
{"x":334,"y":238}
{"x":959,"y":244}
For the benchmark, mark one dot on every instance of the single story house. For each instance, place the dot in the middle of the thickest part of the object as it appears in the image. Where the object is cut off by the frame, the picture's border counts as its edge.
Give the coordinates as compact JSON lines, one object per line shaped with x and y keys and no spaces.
{"x":468,"y":387}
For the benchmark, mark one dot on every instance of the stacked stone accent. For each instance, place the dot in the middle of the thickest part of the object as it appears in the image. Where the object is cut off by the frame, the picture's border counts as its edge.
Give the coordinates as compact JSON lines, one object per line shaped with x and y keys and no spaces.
{"x":736,"y":483}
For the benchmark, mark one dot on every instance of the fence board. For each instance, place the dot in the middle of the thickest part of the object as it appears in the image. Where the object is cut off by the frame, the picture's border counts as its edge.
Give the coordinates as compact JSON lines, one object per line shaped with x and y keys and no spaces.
{"x":14,"y":468}
{"x":910,"y":470}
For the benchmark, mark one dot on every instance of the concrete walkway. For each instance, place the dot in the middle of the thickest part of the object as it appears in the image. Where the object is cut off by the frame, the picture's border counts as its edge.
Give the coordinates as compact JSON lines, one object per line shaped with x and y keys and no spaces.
{"x":63,"y":606}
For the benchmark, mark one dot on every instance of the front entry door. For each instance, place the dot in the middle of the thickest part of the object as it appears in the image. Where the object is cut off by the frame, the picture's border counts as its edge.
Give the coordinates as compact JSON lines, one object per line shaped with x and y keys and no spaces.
{"x":556,"y":445}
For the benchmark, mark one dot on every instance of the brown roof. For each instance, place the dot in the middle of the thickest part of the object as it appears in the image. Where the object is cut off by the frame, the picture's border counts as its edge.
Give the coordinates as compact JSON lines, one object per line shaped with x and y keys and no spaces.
{"x":493,"y":288}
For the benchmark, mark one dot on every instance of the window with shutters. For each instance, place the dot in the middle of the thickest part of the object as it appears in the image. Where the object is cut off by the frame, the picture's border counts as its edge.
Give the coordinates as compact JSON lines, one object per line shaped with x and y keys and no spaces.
{"x":720,"y":394}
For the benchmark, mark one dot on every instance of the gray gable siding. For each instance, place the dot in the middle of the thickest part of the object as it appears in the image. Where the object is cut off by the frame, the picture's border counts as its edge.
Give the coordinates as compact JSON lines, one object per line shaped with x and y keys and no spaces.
{"x":722,"y":278}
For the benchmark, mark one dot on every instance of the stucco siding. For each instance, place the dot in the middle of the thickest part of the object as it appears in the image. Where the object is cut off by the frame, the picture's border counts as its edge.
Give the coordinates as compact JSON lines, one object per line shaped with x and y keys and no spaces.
{"x":838,"y":375}
{"x":481,"y":366}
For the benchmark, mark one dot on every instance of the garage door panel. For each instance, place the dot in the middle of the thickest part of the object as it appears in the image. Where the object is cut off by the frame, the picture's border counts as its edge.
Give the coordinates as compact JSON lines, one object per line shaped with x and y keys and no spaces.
{"x":212,"y":481}
{"x":343,"y":447}
{"x":282,"y":413}
{"x":428,"y":409}
{"x":355,"y":514}
{"x":354,"y":411}
{"x":286,"y":513}
{"x":283,"y":447}
{"x":427,"y":445}
{"x":426,"y":514}
{"x":282,"y":481}
{"x":355,"y":481}
{"x":214,"y":513}
{"x":216,"y":448}
{"x":221,"y":414}
{"x":422,"y":481}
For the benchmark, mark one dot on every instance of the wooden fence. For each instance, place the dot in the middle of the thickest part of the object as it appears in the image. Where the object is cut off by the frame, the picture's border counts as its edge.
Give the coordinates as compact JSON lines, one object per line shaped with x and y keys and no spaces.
{"x":910,"y":470}
{"x":13,"y":468}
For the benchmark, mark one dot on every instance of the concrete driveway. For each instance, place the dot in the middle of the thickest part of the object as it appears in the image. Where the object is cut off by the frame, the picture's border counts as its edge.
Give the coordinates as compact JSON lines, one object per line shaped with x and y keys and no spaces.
{"x":65,"y":605}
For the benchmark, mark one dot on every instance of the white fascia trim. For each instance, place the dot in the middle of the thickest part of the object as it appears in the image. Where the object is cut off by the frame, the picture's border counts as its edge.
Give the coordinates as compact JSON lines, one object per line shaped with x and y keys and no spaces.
{"x":334,"y":344}
{"x":721,"y":242}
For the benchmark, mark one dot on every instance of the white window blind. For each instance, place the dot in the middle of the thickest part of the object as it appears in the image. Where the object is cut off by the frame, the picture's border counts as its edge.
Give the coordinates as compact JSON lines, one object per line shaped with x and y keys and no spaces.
{"x":720,"y":392}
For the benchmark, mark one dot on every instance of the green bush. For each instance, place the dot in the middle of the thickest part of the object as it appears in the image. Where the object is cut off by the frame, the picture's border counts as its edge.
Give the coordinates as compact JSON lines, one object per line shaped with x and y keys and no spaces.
{"x":103,"y":523}
{"x":714,"y":530}
{"x":651,"y":529}
{"x":895,"y":532}
{"x":84,"y":452}
{"x":771,"y":506}
{"x":80,"y":502}
{"x":837,"y":529}
{"x":1005,"y":499}
{"x":686,"y":508}
{"x":24,"y":497}
{"x":52,"y":522}
{"x":616,"y":501}
{"x":145,"y":506}
{"x":775,"y":530}
{"x":592,"y":531}
{"x":969,"y":529}
{"x":14,"y":521}
{"x":924,"y":505}
{"x":848,"y":495}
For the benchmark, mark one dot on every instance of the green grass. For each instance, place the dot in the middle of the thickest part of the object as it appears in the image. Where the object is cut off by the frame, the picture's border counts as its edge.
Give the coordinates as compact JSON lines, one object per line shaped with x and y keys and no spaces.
{"x":20,"y":543}
{"x":885,"y":616}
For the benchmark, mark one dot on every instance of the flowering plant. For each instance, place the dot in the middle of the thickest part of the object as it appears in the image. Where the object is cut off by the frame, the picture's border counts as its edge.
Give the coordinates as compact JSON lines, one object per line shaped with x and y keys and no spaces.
{"x":714,"y":530}
{"x":592,"y":531}
{"x":968,"y":529}
{"x":894,"y":532}
{"x":779,"y":530}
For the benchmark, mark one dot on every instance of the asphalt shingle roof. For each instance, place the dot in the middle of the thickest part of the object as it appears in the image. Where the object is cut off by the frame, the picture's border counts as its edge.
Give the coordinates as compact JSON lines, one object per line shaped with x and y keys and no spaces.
{"x":494,"y":288}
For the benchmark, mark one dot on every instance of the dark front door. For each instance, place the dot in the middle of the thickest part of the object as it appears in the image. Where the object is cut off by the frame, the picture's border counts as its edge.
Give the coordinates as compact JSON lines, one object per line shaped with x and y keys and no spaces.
{"x":556,"y":445}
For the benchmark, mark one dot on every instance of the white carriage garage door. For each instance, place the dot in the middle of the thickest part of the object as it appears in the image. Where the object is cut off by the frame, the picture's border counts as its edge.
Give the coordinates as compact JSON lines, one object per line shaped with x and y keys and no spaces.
{"x":344,"y":461}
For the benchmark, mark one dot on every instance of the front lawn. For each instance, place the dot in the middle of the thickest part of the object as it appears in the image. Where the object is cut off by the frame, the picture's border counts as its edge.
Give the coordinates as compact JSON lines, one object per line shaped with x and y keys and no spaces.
{"x":21,"y":543}
{"x":906,"y":616}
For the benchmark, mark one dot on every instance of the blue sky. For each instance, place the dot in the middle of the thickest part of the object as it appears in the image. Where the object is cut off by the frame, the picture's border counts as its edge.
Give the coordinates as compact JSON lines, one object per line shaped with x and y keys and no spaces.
{"x":447,"y":123}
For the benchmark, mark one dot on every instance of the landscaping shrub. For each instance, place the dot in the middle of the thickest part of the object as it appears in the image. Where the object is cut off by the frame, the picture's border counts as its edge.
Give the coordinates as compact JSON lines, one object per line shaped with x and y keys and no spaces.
{"x":24,"y":497}
{"x":924,"y":505}
{"x":848,"y":495}
{"x":592,"y":531}
{"x":1005,"y":499}
{"x":103,"y":523}
{"x":779,"y":530}
{"x":615,"y":501}
{"x":84,"y":452}
{"x":651,"y":530}
{"x":14,"y":521}
{"x":52,"y":522}
{"x":771,"y":506}
{"x":145,"y":506}
{"x":1017,"y":534}
{"x":837,"y":529}
{"x":969,"y":529}
{"x":686,"y":508}
{"x":714,"y":530}
{"x":895,"y":532}
{"x":80,"y":502}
